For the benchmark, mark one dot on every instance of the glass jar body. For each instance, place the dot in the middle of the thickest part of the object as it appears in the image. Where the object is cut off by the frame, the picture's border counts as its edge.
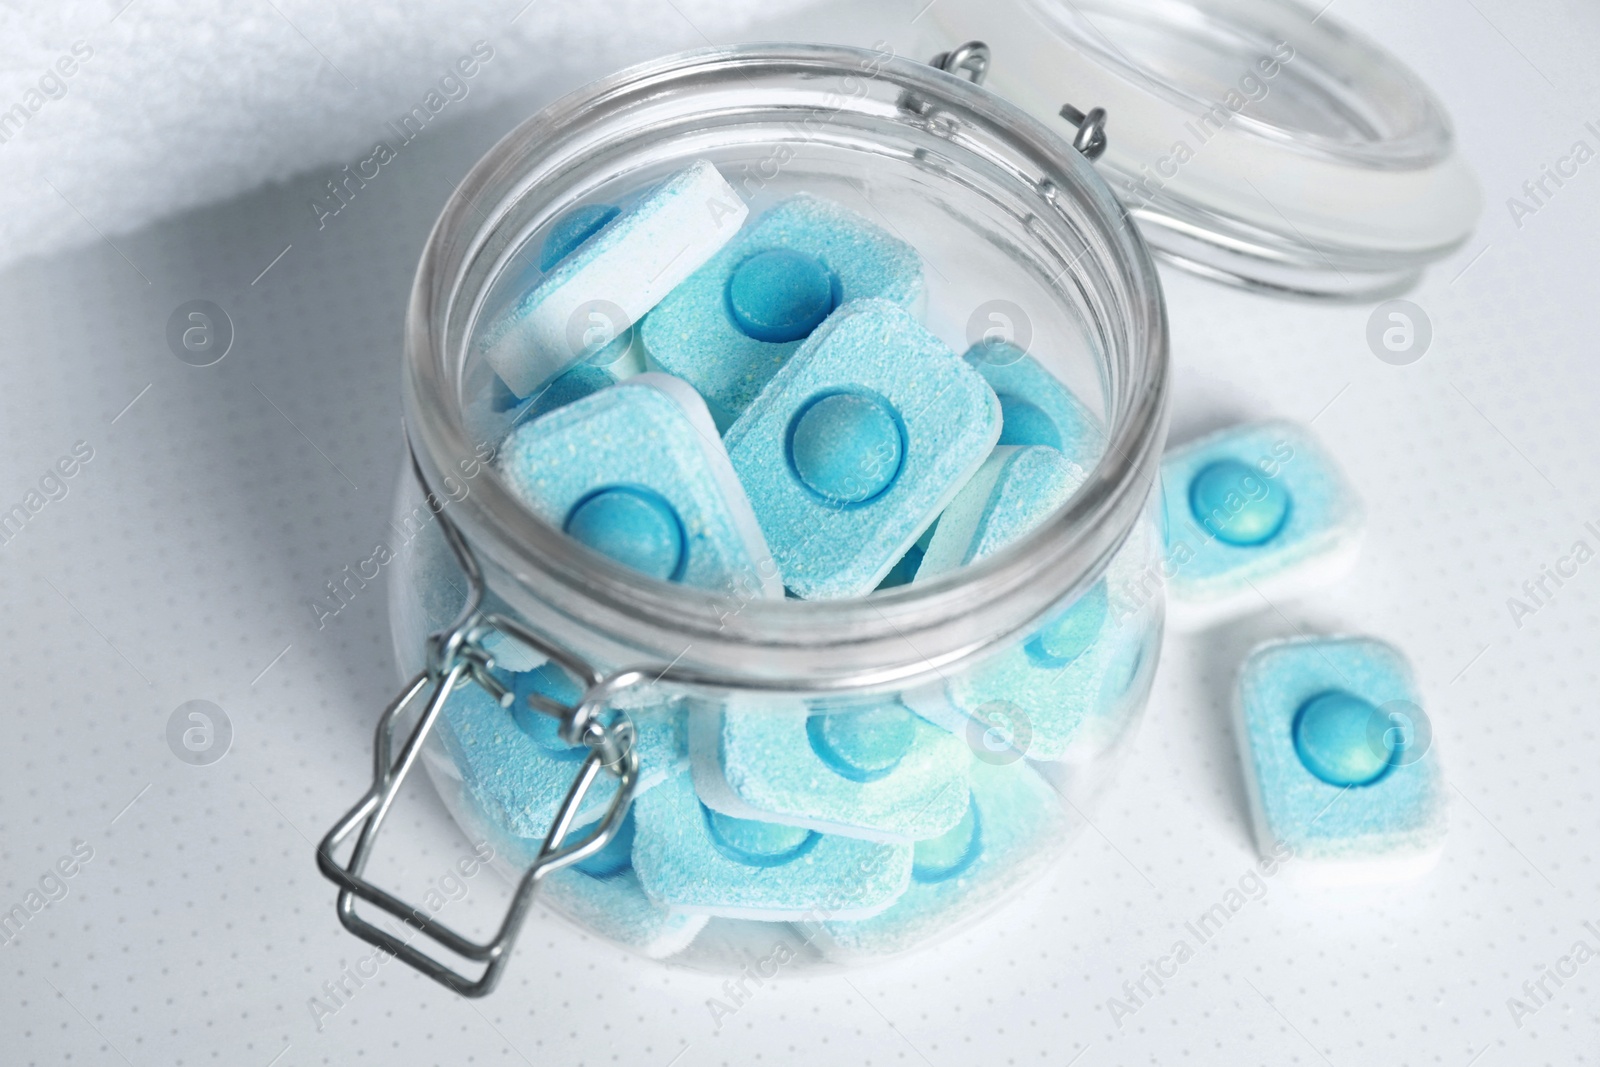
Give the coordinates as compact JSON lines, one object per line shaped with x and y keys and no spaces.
{"x":851,"y":777}
{"x":1029,"y":737}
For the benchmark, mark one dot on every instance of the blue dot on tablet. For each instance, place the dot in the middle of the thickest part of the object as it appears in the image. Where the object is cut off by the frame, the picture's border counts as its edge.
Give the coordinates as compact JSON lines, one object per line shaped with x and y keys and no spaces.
{"x":757,"y":844}
{"x":1072,"y":633}
{"x":862,"y":745}
{"x":847,"y":446}
{"x":938,"y":859}
{"x":1238,"y":503}
{"x":635,"y":526}
{"x":780,"y":295}
{"x":552,"y":683}
{"x":615,"y":859}
{"x":1333,"y":739}
{"x":571,"y":230}
{"x":1022,"y":423}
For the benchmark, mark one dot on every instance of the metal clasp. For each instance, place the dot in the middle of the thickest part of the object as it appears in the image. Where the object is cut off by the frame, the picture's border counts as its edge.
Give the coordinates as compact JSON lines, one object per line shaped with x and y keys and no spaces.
{"x":973,"y":57}
{"x":1091,"y":135}
{"x":456,"y":656}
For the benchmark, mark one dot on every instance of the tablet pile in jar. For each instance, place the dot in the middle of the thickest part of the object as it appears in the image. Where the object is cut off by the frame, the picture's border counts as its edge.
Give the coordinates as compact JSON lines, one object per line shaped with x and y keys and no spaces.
{"x":775,"y":421}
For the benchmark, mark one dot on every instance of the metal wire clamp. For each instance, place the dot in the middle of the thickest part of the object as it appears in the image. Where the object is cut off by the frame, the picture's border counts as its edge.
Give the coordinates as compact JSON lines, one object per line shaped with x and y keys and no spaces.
{"x":457,"y":656}
{"x":974,"y":58}
{"x":1091,"y":136}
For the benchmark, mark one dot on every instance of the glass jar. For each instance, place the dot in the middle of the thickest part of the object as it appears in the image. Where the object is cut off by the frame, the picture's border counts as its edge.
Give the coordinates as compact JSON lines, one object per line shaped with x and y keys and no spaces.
{"x":1025,"y":672}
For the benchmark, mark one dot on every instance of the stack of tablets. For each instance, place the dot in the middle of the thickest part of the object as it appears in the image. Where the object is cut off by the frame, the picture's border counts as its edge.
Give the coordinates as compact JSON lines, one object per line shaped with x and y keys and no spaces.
{"x":753,"y":406}
{"x":765,"y":414}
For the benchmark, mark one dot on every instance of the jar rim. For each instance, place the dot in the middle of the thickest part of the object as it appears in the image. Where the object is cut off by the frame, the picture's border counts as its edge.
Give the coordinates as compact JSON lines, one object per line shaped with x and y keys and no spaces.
{"x":890,"y":638}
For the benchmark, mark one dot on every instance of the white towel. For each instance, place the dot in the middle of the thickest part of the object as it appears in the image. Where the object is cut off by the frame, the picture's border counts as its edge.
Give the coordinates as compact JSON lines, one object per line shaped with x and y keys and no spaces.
{"x":112,"y":118}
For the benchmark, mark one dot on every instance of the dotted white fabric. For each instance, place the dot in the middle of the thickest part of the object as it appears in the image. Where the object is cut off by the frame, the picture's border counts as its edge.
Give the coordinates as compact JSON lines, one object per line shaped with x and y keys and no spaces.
{"x":183,"y":559}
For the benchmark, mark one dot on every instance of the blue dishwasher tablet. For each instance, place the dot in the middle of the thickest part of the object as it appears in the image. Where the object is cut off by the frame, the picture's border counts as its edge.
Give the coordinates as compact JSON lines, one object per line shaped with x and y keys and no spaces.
{"x":1338,"y":760}
{"x":906,"y":567}
{"x":603,"y":280}
{"x":1038,"y":408}
{"x":1255,"y":514}
{"x":857,"y":444}
{"x":1014,"y":491}
{"x":620,"y":358}
{"x":702,"y":862}
{"x":730,"y":327}
{"x":1032,"y":698}
{"x":638,"y":474}
{"x":1037,"y":696}
{"x":1013,"y":825}
{"x":517,"y":768}
{"x":603,"y":893}
{"x":571,"y":230}
{"x":615,"y":362}
{"x":874,"y":771}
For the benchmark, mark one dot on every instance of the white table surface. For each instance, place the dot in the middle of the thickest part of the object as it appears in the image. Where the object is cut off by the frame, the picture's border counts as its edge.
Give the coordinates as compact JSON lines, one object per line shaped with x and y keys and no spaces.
{"x":181,"y":562}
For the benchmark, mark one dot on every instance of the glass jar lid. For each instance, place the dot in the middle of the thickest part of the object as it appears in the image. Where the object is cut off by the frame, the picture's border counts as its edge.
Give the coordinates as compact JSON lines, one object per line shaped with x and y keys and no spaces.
{"x":1256,"y":142}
